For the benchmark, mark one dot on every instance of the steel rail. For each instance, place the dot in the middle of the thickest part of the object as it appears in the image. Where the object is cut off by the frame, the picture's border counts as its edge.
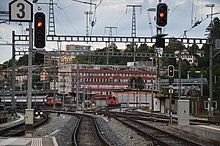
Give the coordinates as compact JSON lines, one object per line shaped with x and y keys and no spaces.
{"x":92,"y":121}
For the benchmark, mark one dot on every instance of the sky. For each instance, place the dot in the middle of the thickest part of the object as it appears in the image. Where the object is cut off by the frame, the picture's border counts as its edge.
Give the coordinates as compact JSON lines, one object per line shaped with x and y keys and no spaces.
{"x":70,"y":19}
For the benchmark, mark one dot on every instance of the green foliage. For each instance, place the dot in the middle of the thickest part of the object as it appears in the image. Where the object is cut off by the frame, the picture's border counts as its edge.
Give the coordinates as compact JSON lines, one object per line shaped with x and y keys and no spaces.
{"x":22,"y":61}
{"x":184,"y":68}
{"x":213,"y":28}
{"x":136,"y":83}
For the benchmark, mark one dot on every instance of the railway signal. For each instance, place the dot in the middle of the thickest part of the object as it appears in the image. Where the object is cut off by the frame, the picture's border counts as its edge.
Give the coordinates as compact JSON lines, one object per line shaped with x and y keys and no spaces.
{"x":162,"y":14}
{"x":160,"y":42}
{"x":171,"y":71}
{"x":39,"y":30}
{"x":39,"y":58}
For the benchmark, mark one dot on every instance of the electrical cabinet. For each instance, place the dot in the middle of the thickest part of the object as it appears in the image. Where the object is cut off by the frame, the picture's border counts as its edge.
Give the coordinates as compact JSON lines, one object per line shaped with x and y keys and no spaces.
{"x":183,"y":112}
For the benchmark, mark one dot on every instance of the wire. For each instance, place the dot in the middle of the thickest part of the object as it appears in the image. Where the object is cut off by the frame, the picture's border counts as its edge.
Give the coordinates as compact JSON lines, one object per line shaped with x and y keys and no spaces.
{"x":67,"y":18}
{"x":84,"y":2}
{"x":175,"y":8}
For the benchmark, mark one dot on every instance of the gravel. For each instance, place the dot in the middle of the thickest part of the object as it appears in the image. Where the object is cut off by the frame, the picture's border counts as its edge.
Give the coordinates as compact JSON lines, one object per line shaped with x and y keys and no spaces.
{"x":61,"y":127}
{"x":119,"y":135}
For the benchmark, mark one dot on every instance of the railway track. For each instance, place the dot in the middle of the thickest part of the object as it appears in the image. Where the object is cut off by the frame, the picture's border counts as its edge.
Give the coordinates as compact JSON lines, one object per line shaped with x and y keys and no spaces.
{"x":157,"y":117}
{"x":19,"y":129}
{"x":87,"y":133}
{"x":157,"y":136}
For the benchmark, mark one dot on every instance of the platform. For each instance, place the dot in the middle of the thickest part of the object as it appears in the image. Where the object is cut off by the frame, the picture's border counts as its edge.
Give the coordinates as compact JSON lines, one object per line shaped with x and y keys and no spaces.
{"x":44,"y":141}
{"x":22,"y":141}
{"x":210,"y":133}
{"x":19,"y":119}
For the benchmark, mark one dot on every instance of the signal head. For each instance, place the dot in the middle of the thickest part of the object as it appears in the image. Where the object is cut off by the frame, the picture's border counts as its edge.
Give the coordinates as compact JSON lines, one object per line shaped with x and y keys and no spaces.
{"x":161,"y":14}
{"x":171,"y":71}
{"x":39,"y":30}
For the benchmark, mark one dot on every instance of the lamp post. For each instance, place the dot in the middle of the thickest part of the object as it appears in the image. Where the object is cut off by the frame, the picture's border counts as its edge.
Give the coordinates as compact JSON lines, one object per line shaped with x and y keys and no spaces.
{"x":210,"y":67}
{"x":63,"y":91}
{"x":4,"y":93}
{"x":35,"y":89}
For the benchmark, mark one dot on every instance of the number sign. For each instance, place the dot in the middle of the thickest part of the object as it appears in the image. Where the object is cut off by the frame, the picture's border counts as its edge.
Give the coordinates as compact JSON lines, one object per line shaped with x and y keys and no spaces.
{"x":21,"y":10}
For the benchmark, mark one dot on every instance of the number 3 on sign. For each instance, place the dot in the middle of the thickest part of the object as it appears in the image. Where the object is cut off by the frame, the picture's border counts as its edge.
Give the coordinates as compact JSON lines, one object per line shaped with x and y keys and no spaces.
{"x":21,"y":7}
{"x":21,"y":10}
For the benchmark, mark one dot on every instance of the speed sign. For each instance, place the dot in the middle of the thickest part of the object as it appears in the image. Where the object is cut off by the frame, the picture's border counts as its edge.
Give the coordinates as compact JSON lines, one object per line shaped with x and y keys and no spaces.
{"x":21,"y":10}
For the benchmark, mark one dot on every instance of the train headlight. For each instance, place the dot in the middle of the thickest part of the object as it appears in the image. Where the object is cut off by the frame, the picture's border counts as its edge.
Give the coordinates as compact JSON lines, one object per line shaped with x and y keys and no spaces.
{"x":41,"y":113}
{"x":36,"y":113}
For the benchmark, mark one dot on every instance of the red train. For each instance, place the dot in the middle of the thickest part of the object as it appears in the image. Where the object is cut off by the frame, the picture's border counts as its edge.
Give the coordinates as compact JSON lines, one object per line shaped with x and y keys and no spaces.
{"x":50,"y":100}
{"x":112,"y":102}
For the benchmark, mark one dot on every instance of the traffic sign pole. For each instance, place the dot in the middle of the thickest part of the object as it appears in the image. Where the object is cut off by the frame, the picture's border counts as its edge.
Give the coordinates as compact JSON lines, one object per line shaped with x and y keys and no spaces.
{"x":30,"y":65}
{"x":22,"y":11}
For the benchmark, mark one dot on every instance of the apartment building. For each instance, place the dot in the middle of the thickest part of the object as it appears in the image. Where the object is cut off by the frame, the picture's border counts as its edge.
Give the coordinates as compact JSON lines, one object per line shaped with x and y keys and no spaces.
{"x":101,"y":80}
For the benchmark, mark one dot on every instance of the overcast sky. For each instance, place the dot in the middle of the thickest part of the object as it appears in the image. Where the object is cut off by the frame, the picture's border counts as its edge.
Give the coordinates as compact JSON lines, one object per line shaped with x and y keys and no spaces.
{"x":71,"y":20}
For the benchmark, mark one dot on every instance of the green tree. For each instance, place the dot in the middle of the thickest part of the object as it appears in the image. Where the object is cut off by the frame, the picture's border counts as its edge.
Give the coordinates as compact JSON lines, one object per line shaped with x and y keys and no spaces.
{"x":22,"y":61}
{"x":184,"y":68}
{"x":213,"y":28}
{"x":214,"y":33}
{"x":136,"y":83}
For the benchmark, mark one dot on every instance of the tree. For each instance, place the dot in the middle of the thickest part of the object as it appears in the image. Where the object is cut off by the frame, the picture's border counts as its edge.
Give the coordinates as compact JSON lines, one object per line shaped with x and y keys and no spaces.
{"x":193,"y":49}
{"x":213,"y":28}
{"x":214,"y":33}
{"x":22,"y":61}
{"x":136,"y":83}
{"x":184,"y":68}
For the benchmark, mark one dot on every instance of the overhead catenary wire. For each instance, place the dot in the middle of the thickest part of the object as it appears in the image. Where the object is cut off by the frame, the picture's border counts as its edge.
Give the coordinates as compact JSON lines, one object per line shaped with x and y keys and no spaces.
{"x":91,"y":20}
{"x":67,"y":18}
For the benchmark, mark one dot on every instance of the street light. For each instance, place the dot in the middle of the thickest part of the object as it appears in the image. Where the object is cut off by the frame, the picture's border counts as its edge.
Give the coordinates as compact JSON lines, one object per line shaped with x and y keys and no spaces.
{"x":210,"y":67}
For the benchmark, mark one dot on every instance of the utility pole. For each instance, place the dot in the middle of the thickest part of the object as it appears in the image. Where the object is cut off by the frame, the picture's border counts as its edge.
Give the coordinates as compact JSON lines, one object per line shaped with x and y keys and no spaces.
{"x":210,"y":68}
{"x":30,"y":65}
{"x":133,"y":28}
{"x":110,"y":41}
{"x":54,"y":88}
{"x":51,"y":27}
{"x":63,"y":90}
{"x":13,"y":70}
{"x":77,"y":86}
{"x":179,"y":73}
{"x":87,"y":13}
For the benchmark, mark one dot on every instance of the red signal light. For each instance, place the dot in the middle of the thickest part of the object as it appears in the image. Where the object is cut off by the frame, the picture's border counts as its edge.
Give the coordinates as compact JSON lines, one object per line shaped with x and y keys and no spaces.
{"x":39,"y":30}
{"x":171,"y":71}
{"x":162,"y":15}
{"x":162,"y":10}
{"x":39,"y":24}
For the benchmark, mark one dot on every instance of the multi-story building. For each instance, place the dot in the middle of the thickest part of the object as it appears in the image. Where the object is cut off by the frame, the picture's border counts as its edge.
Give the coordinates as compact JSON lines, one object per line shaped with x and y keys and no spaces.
{"x":192,"y":58}
{"x":101,"y":81}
